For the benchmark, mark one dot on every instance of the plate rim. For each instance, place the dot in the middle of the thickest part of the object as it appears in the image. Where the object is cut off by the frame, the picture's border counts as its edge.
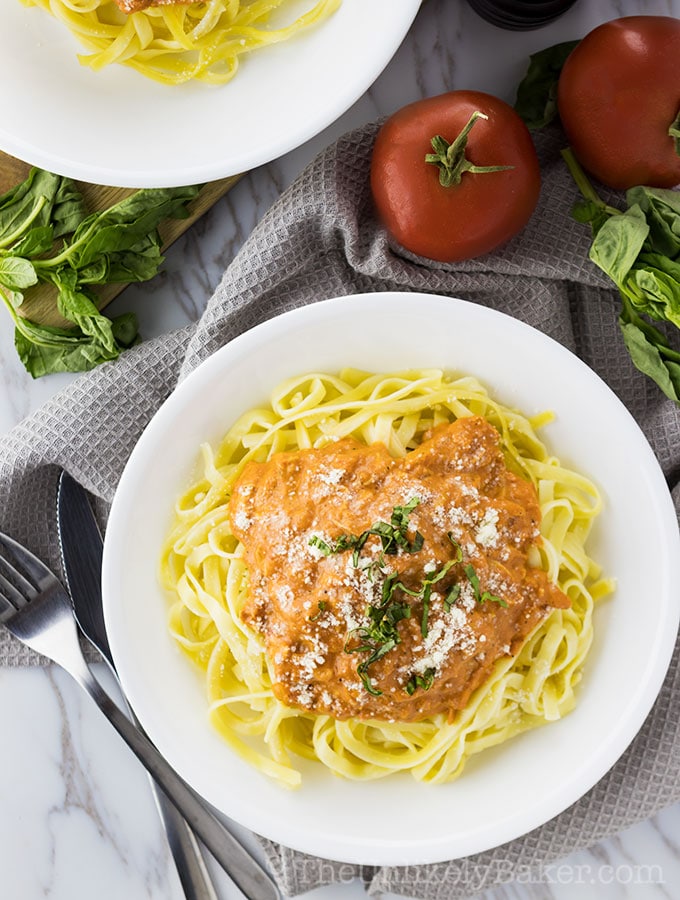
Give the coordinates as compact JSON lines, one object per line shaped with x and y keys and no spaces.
{"x":86,"y":168}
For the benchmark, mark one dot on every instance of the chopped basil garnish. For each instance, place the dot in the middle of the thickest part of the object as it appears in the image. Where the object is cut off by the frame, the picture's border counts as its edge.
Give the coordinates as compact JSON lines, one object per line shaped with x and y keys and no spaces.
{"x":392,"y":534}
{"x":322,"y":607}
{"x":344,"y":542}
{"x":362,"y":668}
{"x":452,"y":596}
{"x":492,"y":598}
{"x":423,"y":593}
{"x":459,"y":550}
{"x":427,"y":590}
{"x":481,"y":596}
{"x":472,"y":578}
{"x":320,"y":544}
{"x":423,"y":681}
{"x":381,"y":634}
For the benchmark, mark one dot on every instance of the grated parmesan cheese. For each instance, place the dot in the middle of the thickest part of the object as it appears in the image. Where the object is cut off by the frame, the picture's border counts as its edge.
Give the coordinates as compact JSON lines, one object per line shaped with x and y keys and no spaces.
{"x":487,"y":533}
{"x":242,"y":520}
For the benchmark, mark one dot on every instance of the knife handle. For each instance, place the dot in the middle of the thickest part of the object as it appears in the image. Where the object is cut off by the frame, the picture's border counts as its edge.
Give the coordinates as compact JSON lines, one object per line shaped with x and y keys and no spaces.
{"x":81,"y":547}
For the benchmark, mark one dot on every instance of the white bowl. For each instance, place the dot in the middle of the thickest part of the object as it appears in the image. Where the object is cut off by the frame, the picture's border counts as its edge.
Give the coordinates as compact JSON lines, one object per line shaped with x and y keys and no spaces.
{"x":504,"y":792}
{"x":119,"y":128}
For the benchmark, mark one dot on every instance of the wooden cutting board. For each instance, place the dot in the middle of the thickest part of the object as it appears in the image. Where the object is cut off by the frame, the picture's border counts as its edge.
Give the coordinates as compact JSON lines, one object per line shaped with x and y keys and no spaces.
{"x":38,"y":302}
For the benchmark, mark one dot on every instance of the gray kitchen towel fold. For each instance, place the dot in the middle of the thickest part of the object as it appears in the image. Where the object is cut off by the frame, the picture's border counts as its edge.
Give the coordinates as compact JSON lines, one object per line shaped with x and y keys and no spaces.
{"x":321,"y":240}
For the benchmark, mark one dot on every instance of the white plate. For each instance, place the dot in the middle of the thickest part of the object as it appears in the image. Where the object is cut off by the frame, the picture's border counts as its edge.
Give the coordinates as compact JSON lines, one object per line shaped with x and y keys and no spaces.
{"x":117,"y":127}
{"x":504,"y":792}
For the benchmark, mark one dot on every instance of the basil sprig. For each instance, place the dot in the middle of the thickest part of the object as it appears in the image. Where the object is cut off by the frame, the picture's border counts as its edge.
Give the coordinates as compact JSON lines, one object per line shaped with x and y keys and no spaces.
{"x":47,"y":236}
{"x":639,"y":249}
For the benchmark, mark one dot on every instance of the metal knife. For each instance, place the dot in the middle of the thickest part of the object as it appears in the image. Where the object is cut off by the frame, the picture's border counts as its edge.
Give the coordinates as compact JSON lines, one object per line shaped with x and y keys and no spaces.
{"x":81,"y":550}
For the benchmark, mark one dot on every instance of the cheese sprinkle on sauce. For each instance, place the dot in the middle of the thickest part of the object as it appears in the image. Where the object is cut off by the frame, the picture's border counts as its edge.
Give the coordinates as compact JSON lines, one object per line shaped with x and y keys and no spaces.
{"x":452,"y":596}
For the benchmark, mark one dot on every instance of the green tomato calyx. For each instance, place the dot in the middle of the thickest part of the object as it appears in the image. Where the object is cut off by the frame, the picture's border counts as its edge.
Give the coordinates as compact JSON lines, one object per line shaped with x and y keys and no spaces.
{"x":451,"y":158}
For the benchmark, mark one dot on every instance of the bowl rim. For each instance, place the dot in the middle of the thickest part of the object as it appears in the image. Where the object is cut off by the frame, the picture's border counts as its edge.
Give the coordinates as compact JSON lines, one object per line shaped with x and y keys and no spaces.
{"x":375,"y":852}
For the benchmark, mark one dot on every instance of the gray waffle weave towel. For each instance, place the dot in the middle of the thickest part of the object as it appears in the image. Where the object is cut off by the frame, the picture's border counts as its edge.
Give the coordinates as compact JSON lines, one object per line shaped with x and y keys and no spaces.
{"x":320,"y":240}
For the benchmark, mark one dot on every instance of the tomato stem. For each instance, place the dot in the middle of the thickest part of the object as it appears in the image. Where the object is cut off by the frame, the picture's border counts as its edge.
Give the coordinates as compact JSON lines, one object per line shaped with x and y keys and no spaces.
{"x":674,"y":132}
{"x":451,"y":159}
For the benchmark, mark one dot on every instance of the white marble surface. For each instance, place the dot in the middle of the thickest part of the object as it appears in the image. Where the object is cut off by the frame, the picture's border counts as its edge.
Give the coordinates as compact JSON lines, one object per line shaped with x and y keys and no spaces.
{"x":76,"y":817}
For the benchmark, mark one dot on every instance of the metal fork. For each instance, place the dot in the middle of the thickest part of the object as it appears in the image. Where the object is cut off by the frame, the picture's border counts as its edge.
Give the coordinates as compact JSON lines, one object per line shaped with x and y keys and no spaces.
{"x":36,"y":609}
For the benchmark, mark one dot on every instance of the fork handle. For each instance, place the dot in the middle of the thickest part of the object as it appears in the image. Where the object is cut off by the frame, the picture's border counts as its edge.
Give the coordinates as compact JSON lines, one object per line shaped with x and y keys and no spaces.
{"x":248,"y":875}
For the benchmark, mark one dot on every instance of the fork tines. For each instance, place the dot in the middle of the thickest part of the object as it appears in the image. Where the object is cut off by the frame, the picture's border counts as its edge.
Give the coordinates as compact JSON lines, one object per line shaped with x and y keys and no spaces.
{"x":16,"y":586}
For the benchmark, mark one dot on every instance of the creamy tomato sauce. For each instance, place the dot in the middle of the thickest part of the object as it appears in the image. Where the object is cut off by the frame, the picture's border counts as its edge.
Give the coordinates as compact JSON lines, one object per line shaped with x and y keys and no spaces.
{"x":467,"y":525}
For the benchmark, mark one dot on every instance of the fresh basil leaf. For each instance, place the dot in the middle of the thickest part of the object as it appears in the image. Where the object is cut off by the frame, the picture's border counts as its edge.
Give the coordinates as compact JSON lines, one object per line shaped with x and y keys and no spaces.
{"x":44,"y":349}
{"x":590,"y":213}
{"x":648,"y":360}
{"x":16,"y":194}
{"x":121,"y":226}
{"x":45,"y":357}
{"x":125,"y":330}
{"x":618,"y":242}
{"x":662,"y":263}
{"x":673,"y":369}
{"x":100,"y":240}
{"x":645,"y":197}
{"x":140,"y":263}
{"x":657,"y":291}
{"x":536,"y":101}
{"x":662,"y":212}
{"x":16,"y":274}
{"x":31,"y":204}
{"x":653,"y":334}
{"x":639,"y":249}
{"x":95,"y":273}
{"x":35,"y":242}
{"x":69,"y":209}
{"x":21,"y":208}
{"x":78,"y":308}
{"x":120,"y":244}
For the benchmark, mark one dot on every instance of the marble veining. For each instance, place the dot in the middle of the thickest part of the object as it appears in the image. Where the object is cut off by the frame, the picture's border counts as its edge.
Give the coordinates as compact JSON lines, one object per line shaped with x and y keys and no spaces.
{"x":77,"y":819}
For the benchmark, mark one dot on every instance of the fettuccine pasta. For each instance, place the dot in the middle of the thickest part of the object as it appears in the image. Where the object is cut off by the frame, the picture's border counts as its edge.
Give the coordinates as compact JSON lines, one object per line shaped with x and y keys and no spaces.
{"x":204,"y":572}
{"x":177,"y":43}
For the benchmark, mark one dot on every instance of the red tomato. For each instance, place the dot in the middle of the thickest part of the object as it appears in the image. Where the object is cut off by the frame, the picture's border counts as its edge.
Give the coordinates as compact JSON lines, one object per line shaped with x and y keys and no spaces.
{"x":468,"y":218}
{"x":618,"y":95}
